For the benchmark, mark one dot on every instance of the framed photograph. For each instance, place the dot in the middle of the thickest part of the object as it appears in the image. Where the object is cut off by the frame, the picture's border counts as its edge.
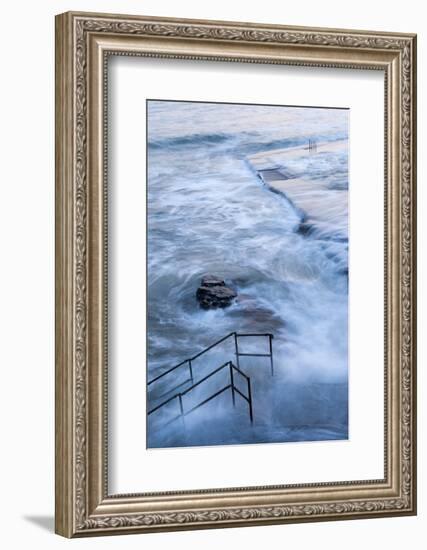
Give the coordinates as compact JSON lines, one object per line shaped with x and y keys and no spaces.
{"x":235,"y":274}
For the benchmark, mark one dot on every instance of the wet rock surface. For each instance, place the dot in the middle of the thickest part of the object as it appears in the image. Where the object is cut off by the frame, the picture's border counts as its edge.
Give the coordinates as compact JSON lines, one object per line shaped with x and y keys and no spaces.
{"x":257,"y":318}
{"x":213,"y":293}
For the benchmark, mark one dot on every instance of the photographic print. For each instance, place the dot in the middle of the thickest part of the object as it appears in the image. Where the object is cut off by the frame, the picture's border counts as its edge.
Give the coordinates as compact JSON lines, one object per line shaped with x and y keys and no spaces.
{"x":247,"y":273}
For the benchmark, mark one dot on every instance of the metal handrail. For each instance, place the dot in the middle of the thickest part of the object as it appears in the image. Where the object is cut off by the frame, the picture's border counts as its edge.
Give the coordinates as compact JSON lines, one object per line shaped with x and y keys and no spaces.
{"x":190,"y":359}
{"x":231,"y":386}
{"x":188,"y":389}
{"x":240,"y":354}
{"x":236,"y":336}
{"x":233,"y":368}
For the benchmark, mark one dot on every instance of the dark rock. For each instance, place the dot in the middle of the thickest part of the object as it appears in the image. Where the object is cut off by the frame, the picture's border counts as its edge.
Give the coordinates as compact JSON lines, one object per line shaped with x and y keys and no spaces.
{"x":213,"y":293}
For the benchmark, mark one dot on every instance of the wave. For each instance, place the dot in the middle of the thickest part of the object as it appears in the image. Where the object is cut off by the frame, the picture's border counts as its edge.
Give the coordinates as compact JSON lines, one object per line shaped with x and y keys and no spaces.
{"x":189,"y":140}
{"x":242,"y":143}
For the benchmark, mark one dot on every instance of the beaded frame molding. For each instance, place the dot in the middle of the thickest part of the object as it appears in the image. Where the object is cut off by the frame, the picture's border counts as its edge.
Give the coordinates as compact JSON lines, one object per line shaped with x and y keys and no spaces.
{"x":83,"y":43}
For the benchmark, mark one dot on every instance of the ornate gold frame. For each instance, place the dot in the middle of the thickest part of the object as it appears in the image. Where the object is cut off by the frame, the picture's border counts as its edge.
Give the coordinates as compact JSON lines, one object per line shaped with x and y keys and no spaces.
{"x":83,"y":506}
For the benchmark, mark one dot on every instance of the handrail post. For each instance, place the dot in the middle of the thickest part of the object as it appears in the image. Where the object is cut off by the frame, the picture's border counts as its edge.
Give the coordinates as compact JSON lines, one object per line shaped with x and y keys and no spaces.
{"x":232,"y":384}
{"x":270,"y":337}
{"x":181,"y":408}
{"x":191,"y":370}
{"x":250,"y":400}
{"x":237,"y":350}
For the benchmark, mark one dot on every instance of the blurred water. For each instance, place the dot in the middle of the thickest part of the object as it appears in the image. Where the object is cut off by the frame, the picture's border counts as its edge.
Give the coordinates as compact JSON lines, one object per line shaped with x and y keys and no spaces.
{"x":209,"y":213}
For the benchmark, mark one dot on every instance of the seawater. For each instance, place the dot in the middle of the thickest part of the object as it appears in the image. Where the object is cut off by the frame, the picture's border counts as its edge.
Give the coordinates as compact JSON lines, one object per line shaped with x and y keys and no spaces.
{"x":208,"y":213}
